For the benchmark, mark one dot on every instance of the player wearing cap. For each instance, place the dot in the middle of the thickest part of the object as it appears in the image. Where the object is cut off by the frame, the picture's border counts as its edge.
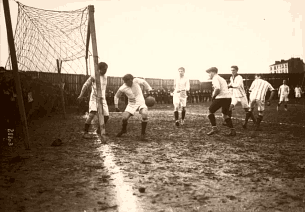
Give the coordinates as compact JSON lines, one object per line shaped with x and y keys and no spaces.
{"x":221,"y":98}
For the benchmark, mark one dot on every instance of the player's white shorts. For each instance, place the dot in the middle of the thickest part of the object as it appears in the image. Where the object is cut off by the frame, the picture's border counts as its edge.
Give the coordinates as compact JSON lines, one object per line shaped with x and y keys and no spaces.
{"x":284,"y":98}
{"x":133,"y":108}
{"x":93,"y":106}
{"x":260,"y":104}
{"x":178,"y":99}
{"x":243,"y":101}
{"x":297,"y":95}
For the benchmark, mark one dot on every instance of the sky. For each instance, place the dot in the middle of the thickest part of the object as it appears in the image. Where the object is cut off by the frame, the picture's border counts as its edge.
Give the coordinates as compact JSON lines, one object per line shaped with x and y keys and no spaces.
{"x":153,"y":38}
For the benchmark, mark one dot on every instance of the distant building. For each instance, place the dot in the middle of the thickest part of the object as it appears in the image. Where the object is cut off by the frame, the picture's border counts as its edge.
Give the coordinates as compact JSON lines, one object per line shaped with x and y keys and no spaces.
{"x":293,"y":65}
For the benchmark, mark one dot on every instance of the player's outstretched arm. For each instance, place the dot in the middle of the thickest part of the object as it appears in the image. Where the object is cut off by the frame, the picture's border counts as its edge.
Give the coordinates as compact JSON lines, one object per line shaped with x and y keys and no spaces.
{"x":88,"y":82}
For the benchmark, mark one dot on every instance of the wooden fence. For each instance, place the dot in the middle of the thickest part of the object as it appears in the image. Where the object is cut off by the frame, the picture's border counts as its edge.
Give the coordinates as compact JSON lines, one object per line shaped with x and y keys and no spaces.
{"x":74,"y":82}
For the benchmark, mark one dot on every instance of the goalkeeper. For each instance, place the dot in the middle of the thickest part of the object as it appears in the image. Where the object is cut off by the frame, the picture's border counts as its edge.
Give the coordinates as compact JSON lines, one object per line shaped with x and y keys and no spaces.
{"x":93,"y":97}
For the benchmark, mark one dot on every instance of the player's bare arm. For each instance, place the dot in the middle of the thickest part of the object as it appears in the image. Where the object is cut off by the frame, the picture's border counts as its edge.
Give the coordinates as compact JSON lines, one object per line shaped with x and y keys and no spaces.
{"x":88,"y":82}
{"x":116,"y":100}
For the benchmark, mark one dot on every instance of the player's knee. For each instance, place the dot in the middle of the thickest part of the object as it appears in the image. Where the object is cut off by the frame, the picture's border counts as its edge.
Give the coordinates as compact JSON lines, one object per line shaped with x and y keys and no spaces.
{"x":145,"y":119}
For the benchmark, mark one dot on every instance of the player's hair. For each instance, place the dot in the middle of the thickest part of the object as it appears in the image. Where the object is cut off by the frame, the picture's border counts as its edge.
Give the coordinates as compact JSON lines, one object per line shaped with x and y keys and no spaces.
{"x":102,"y":65}
{"x":212,"y":69}
{"x":258,"y":75}
{"x":235,"y":67}
{"x":127,"y":77}
{"x":181,"y":68}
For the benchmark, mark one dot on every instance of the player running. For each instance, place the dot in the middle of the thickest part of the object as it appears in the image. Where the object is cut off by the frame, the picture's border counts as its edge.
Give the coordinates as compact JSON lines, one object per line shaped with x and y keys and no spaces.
{"x":283,"y":95}
{"x":238,"y":92}
{"x":181,"y":86}
{"x":221,"y":98}
{"x":136,"y":102}
{"x":258,"y":91}
{"x":93,"y":97}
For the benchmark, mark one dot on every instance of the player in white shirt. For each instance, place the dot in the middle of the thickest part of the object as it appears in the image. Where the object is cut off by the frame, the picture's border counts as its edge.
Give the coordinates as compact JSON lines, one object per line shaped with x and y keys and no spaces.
{"x":136,"y":102}
{"x":92,"y":103}
{"x":283,"y":95}
{"x":258,"y":91}
{"x":221,"y":98}
{"x":181,"y":86}
{"x":298,"y":93}
{"x":238,"y":92}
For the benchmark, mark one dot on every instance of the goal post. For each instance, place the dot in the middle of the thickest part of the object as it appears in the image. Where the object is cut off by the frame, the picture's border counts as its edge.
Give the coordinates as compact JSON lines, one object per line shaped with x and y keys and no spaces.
{"x":99,"y":98}
{"x":14,"y":63}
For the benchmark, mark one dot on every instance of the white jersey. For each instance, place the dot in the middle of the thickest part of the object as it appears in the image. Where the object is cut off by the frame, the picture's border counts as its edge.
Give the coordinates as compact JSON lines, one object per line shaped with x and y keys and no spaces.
{"x":220,"y":83}
{"x":238,"y":89}
{"x":103,"y":80}
{"x":134,"y":93}
{"x":181,"y":83}
{"x":284,"y":90}
{"x":297,"y":90}
{"x":93,"y":96}
{"x":259,"y":88}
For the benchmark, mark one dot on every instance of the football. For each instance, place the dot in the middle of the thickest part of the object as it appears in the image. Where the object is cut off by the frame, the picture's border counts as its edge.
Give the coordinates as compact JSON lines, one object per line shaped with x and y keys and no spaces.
{"x":150,"y":101}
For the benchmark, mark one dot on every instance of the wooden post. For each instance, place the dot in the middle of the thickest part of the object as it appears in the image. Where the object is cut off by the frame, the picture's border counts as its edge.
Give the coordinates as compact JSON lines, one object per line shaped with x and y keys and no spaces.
{"x":87,"y":45}
{"x":59,"y":64}
{"x":11,"y":43}
{"x":97,"y":73}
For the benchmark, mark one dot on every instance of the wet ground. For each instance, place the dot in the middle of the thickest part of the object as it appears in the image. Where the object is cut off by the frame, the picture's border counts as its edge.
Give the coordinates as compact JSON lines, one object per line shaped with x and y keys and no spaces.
{"x":177,"y":169}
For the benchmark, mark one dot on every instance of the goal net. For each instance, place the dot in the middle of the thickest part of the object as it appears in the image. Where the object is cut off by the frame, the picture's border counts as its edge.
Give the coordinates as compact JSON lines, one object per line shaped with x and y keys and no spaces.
{"x":44,"y":36}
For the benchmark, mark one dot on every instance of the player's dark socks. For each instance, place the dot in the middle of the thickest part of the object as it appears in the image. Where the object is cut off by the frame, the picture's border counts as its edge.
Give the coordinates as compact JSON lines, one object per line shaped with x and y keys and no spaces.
{"x":183,"y":113}
{"x":176,"y":113}
{"x":258,"y":121}
{"x":144,"y":124}
{"x":229,"y":122}
{"x":106,"y":118}
{"x":212,"y":119}
{"x":253,"y":118}
{"x":230,"y":113}
{"x":86,"y":129}
{"x":124,"y":128}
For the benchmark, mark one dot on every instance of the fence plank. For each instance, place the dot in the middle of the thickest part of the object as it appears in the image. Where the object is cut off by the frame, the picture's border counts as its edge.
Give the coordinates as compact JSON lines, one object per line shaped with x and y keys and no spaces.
{"x":74,"y":82}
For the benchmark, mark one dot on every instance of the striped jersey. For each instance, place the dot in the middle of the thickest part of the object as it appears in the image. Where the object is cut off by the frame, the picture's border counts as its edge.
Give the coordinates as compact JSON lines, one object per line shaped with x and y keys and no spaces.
{"x":259,"y":88}
{"x":284,"y":90}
